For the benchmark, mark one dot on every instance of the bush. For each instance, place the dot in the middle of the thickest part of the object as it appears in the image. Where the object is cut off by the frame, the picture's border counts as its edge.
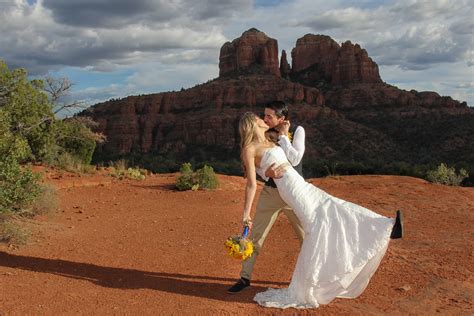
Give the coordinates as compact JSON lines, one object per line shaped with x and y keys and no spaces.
{"x":12,"y":233}
{"x":207,"y":178}
{"x":204,"y":178}
{"x":121,"y":171}
{"x":135,"y":174}
{"x":68,"y":162}
{"x":76,"y":138}
{"x":46,"y":202}
{"x":187,"y":180}
{"x":18,"y":187}
{"x":118,"y":168}
{"x":445,"y":175}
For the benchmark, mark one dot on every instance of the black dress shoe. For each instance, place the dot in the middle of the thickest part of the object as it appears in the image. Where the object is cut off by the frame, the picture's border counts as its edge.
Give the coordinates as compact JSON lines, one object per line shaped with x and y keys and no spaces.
{"x":241,"y":284}
{"x":397,"y":230}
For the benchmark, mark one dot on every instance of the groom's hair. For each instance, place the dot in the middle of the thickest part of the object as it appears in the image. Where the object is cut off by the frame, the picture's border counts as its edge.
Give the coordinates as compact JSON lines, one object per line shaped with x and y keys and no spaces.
{"x":280,"y":108}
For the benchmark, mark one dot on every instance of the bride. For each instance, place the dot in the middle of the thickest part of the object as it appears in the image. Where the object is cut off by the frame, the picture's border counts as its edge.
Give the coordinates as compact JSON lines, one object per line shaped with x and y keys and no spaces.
{"x":344,"y":242}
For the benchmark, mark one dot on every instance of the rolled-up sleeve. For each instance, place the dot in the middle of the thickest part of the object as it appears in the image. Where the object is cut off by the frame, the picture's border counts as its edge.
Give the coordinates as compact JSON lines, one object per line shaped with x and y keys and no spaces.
{"x":294,"y":151}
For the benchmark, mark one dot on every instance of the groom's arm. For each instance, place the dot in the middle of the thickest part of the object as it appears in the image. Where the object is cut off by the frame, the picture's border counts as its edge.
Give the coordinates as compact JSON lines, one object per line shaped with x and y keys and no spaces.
{"x":294,"y":151}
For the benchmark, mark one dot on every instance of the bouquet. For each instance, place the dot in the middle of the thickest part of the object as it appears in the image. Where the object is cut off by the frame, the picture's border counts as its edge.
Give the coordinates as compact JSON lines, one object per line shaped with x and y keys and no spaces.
{"x":239,"y":247}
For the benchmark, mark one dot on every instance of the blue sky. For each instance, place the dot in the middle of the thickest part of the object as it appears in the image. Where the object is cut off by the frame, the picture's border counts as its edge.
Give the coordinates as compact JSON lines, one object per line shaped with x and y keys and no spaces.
{"x":114,"y":48}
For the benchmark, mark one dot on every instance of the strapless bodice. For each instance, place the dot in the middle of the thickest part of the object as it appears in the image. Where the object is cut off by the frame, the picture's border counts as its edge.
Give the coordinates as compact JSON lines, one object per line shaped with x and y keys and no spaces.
{"x":271,"y":155}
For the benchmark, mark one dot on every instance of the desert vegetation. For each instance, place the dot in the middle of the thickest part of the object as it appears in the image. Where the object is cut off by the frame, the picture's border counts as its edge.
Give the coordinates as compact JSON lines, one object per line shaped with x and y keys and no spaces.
{"x":120,"y":169}
{"x":204,"y":178}
{"x":446,"y":175}
{"x":31,"y":133}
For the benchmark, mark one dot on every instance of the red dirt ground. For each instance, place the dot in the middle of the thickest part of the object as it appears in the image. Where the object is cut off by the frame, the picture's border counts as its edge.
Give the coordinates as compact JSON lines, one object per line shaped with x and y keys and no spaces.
{"x":140,"y":247}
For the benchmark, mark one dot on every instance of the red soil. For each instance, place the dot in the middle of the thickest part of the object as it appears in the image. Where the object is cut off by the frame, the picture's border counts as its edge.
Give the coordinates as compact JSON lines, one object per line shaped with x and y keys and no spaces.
{"x":130,"y":247}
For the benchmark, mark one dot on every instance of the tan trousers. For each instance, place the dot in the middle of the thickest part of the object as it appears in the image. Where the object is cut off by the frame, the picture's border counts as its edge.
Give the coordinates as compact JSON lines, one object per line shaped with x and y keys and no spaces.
{"x":269,"y":207}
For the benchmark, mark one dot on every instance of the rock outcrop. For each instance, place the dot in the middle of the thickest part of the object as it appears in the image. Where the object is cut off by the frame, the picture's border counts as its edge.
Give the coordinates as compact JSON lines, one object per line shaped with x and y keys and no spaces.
{"x":318,"y":59}
{"x":157,"y":122}
{"x":253,"y":52}
{"x":285,"y":68}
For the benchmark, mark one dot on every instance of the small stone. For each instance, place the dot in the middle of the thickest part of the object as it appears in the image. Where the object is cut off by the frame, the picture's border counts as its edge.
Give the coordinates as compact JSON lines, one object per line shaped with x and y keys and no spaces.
{"x":404,"y":288}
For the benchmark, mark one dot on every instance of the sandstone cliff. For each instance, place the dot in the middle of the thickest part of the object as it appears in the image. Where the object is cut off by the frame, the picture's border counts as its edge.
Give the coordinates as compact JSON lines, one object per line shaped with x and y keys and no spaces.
{"x":253,"y":52}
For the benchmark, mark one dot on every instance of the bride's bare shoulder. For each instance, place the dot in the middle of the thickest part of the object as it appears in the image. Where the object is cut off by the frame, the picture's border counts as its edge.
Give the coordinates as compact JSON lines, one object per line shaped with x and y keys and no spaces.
{"x":249,"y":150}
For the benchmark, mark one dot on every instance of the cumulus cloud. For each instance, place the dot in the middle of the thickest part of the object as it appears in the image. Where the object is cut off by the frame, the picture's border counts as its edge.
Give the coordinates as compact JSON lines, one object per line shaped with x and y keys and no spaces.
{"x":412,"y":34}
{"x":110,"y":14}
{"x":101,"y":35}
{"x":346,"y":18}
{"x":119,"y":13}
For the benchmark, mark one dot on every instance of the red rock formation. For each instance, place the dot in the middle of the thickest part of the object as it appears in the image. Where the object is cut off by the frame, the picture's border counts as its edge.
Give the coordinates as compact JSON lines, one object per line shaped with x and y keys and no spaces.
{"x":156,"y":122}
{"x":313,"y":49}
{"x":285,"y":68}
{"x":357,"y":118}
{"x":319,"y":58}
{"x":383,"y":95}
{"x":254,"y":50}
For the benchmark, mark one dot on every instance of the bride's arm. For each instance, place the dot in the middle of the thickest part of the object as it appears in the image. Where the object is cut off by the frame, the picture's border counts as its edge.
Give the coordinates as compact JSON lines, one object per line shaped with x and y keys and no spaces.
{"x":251,"y":186}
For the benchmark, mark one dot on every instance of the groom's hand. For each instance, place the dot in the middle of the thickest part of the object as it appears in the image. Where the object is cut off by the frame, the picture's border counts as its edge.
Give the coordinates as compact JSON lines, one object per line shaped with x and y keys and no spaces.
{"x":284,"y":128}
{"x":274,"y":171}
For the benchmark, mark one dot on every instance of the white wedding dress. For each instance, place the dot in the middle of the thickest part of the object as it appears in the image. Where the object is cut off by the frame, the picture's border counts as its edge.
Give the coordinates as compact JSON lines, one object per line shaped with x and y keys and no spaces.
{"x":343,"y":244}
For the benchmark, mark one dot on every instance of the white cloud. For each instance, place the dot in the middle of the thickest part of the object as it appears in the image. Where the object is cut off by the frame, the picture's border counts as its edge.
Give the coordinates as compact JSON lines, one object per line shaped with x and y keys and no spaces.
{"x":453,"y":80}
{"x":46,"y":44}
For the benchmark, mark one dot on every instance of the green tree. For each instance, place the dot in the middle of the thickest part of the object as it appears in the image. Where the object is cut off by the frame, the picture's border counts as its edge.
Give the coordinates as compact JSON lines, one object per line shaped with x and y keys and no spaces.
{"x":26,"y":118}
{"x":29,"y":129}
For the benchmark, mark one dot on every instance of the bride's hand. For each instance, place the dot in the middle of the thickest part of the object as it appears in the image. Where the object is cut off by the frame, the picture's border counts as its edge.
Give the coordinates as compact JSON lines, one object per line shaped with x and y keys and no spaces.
{"x":247,"y":221}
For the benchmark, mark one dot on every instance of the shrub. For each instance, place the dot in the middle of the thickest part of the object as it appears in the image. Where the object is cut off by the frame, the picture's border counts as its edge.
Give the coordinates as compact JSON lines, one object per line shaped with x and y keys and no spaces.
{"x":75,"y":136}
{"x":207,"y":178}
{"x":187,"y":180}
{"x":445,"y":175}
{"x":19,"y":187}
{"x":121,"y":171}
{"x":12,"y":233}
{"x":47,"y":201}
{"x":68,"y":162}
{"x":204,"y":178}
{"x":118,"y":168}
{"x":135,"y":174}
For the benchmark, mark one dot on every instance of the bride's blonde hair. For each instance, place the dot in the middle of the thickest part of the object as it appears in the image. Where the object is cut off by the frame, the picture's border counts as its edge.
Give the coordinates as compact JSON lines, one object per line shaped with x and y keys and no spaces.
{"x":247,"y":128}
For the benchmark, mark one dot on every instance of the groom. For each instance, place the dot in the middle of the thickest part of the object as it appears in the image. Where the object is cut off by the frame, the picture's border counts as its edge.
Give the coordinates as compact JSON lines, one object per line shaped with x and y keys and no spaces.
{"x":292,"y":140}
